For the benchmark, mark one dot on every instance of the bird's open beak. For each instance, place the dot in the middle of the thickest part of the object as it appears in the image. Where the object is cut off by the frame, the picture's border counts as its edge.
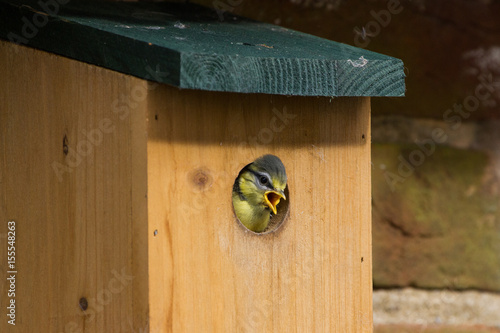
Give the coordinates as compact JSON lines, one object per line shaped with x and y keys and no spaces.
{"x":272,"y":199}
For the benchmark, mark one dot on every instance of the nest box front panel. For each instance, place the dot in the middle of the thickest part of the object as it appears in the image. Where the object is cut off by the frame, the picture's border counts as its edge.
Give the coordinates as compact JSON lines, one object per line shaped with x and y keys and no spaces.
{"x":207,"y":272}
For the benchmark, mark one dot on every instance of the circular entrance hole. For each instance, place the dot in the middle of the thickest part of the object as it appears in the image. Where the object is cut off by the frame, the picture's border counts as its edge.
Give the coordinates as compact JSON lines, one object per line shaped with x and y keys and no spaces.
{"x":255,"y":195}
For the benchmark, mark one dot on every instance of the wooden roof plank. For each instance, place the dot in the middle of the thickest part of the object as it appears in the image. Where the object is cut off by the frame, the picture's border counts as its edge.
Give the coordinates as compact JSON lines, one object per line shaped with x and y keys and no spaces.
{"x":187,"y":46}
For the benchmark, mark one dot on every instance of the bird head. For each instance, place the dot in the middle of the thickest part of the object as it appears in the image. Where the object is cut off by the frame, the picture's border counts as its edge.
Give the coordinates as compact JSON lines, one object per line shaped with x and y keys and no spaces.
{"x":263,"y":182}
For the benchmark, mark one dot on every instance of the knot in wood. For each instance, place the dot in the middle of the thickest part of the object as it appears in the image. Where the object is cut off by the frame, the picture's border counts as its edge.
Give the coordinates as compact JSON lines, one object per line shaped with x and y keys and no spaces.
{"x":65,"y":145}
{"x":201,"y":179}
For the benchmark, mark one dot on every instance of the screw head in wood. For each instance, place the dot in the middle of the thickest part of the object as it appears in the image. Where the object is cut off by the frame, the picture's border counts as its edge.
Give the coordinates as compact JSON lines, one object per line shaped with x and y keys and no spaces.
{"x":83,"y":303}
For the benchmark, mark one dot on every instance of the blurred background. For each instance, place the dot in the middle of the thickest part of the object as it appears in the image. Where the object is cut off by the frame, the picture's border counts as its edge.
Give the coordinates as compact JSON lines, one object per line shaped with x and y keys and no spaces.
{"x":435,"y":153}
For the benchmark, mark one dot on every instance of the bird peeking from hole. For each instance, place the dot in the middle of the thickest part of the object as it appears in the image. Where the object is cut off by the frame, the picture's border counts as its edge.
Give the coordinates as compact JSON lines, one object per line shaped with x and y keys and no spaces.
{"x":258,"y":190}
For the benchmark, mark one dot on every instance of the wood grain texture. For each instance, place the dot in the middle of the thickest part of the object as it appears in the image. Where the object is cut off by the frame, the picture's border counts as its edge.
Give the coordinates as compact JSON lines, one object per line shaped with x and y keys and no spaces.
{"x":81,"y":231}
{"x":142,"y":224}
{"x":188,"y":46}
{"x":207,"y":273}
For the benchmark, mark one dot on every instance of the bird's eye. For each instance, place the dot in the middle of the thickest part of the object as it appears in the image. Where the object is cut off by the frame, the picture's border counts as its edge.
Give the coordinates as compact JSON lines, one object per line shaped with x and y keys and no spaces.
{"x":263,"y":180}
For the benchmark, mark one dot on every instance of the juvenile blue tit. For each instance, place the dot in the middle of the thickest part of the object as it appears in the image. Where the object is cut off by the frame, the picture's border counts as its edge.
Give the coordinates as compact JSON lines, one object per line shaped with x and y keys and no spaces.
{"x":258,"y":190}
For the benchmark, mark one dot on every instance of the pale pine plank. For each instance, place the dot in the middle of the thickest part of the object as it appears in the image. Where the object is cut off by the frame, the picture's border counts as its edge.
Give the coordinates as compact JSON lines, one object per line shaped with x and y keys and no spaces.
{"x":208,"y":274}
{"x":74,"y":233}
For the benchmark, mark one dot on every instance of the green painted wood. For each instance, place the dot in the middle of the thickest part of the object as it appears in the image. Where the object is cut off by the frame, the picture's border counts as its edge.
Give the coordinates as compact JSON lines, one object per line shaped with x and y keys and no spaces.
{"x":188,"y":46}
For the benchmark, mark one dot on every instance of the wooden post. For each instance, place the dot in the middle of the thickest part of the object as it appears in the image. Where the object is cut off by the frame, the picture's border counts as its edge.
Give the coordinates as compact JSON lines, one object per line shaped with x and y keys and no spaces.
{"x":120,"y":188}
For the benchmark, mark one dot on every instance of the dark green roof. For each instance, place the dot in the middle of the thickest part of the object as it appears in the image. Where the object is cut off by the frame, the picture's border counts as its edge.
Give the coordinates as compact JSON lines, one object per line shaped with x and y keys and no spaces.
{"x":188,"y":46}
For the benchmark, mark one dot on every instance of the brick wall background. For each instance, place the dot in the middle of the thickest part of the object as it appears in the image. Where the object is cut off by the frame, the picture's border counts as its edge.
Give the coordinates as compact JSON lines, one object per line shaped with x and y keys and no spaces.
{"x":436,"y":153}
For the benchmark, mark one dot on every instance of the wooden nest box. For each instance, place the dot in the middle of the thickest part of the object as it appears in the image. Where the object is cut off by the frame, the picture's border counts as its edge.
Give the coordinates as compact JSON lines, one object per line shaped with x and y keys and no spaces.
{"x":122,"y":129}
